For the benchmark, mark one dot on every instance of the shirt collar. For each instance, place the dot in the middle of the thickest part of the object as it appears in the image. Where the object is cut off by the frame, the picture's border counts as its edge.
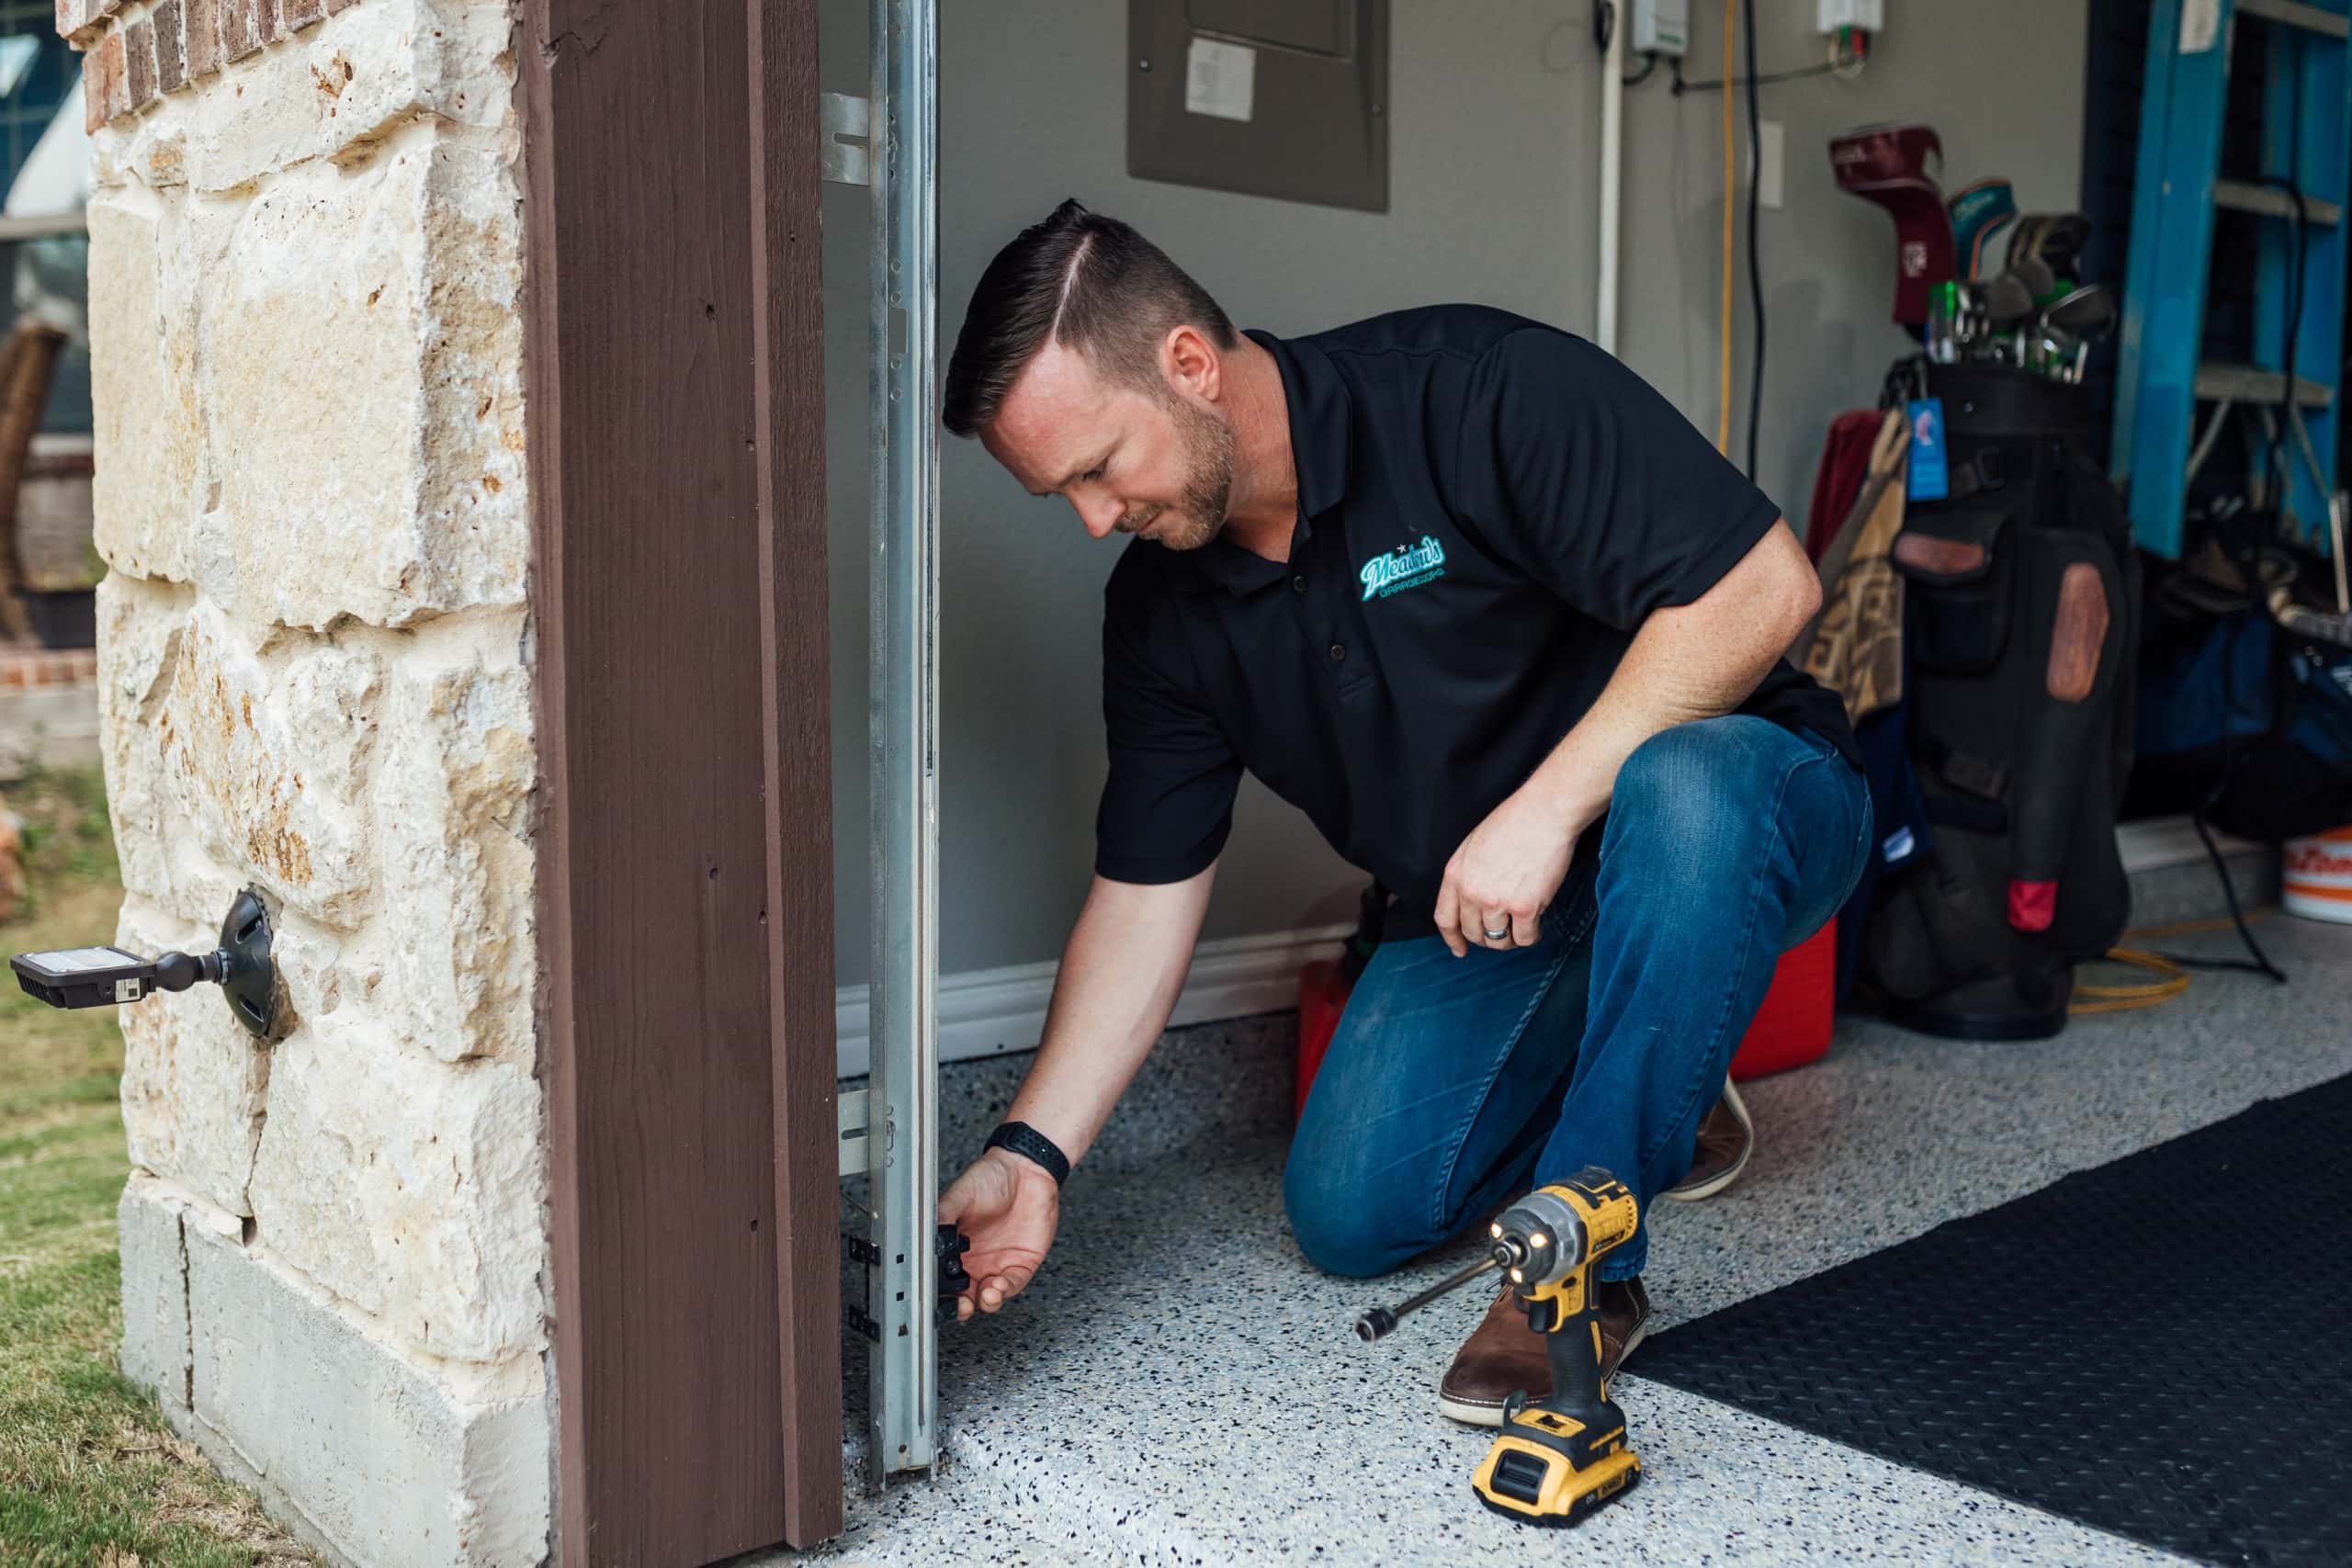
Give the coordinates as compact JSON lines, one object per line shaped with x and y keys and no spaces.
{"x":1320,"y":420}
{"x":1320,"y":446}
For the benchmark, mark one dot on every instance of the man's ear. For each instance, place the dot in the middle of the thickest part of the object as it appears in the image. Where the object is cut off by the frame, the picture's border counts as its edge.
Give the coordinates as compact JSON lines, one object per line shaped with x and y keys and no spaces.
{"x":1190,"y":362}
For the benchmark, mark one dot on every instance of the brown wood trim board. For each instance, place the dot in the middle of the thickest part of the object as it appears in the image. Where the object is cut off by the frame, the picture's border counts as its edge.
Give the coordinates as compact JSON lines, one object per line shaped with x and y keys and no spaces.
{"x":675,"y":379}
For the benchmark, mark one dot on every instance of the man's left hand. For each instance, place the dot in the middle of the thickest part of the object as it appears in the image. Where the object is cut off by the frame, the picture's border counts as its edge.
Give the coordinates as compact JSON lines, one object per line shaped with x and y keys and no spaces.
{"x":1504,"y":876}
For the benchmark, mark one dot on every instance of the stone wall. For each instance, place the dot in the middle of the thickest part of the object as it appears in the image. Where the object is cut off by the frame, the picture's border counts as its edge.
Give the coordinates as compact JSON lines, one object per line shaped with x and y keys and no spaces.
{"x":314,"y":672}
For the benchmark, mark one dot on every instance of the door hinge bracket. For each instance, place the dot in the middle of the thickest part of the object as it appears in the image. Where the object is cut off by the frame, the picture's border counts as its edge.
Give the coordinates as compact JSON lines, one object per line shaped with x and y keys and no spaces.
{"x":846,"y":157}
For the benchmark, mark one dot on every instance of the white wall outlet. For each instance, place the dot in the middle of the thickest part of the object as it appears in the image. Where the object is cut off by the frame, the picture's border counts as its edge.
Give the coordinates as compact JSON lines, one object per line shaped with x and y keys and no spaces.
{"x":1768,"y":164}
{"x":1660,"y":26}
{"x":1867,"y":15}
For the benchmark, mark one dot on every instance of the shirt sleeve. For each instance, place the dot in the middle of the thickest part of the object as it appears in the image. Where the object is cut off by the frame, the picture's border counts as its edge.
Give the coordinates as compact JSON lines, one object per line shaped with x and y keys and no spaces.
{"x":1166,"y":805}
{"x":1575,"y":469}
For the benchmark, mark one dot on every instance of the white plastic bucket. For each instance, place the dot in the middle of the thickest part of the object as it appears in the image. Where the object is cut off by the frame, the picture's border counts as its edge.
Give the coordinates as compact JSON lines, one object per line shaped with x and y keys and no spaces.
{"x":2315,"y":877}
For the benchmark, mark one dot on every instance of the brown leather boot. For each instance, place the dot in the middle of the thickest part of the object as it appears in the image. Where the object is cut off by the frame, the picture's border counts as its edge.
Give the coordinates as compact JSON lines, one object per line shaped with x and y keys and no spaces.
{"x":1503,"y":1355}
{"x":1726,"y":1137}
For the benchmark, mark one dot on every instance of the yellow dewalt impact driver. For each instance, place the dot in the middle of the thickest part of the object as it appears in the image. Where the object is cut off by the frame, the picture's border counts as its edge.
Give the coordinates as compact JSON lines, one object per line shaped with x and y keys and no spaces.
{"x":1560,"y":1458}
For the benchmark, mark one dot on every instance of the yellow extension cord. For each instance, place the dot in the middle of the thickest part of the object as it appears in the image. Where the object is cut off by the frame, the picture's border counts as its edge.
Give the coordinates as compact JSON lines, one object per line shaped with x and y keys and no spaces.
{"x":2125,"y":999}
{"x":2173,"y":979}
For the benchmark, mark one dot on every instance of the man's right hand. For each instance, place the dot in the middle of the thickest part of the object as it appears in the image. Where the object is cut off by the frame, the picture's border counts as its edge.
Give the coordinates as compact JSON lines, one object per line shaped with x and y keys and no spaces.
{"x":1008,"y":1207}
{"x":1120,"y":972}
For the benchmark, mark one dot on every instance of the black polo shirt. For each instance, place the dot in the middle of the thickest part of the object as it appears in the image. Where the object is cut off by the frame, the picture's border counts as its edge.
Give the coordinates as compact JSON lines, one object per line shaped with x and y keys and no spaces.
{"x":1487,"y":509}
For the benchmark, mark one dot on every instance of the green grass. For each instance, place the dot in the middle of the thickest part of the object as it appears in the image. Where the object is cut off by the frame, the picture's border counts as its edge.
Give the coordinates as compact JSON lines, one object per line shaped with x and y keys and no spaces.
{"x":90,"y":1477}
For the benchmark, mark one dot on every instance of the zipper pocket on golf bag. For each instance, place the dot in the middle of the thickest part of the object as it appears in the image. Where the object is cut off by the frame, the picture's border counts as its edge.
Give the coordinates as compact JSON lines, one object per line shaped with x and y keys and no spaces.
{"x":1957,"y":611}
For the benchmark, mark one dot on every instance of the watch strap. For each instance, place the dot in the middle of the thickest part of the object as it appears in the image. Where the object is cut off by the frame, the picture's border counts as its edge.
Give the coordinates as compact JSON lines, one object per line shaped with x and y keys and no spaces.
{"x":1022,"y":1139}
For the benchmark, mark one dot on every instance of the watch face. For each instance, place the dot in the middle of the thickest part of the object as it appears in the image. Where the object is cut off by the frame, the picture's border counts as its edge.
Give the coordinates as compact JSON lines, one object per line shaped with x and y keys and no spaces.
{"x":81,"y":960}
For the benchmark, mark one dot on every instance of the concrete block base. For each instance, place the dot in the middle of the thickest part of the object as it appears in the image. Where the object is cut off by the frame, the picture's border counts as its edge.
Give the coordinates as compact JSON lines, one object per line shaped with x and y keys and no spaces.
{"x":397,"y":1461}
{"x":155,"y":1353}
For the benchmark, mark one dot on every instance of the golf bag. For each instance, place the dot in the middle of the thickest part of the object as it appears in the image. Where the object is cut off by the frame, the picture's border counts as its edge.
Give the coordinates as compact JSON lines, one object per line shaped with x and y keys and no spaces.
{"x":2021,"y":594}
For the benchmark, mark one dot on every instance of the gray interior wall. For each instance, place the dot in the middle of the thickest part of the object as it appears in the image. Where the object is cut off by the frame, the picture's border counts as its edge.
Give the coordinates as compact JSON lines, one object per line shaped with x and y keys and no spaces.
{"x":1495,"y":132}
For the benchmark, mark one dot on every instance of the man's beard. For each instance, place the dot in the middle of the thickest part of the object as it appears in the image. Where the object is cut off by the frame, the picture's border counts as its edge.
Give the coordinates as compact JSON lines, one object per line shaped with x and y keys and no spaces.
{"x":1199,"y":514}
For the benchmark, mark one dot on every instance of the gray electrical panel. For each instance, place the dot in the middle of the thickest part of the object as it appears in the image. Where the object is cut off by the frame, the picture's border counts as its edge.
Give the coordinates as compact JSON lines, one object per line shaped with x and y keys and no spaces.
{"x":1286,"y":99}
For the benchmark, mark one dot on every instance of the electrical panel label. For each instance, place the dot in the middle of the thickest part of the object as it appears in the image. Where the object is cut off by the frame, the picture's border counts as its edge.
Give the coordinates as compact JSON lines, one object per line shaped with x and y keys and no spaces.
{"x":1220,"y":79}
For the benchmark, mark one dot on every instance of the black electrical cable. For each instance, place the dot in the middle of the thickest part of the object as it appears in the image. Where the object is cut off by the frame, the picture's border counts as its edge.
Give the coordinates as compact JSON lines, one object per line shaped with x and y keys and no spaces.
{"x":1649,"y":69}
{"x":1755,"y":267}
{"x":1682,"y":85}
{"x":2261,"y":964}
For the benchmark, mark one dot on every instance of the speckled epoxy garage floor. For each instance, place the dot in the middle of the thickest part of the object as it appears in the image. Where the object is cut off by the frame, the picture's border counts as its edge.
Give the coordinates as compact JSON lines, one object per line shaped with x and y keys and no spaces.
{"x":1180,"y":1387}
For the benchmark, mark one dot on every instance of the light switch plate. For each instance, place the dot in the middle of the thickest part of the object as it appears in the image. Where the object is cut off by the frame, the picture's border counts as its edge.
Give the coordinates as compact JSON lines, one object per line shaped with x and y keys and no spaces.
{"x":1768,"y":161}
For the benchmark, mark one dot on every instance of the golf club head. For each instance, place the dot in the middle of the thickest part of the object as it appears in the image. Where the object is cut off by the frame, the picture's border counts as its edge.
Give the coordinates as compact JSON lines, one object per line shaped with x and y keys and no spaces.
{"x":2088,"y":311}
{"x":2005,"y":300}
{"x":2056,"y":240}
{"x":2035,"y":273}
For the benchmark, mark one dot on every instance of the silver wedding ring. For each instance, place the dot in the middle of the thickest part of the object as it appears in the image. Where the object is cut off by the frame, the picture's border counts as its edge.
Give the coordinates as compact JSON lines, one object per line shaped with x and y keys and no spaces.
{"x":1498,"y":936}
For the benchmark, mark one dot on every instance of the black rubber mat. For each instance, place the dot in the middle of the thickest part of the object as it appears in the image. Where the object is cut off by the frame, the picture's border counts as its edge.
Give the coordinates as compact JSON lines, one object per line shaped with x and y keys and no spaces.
{"x":2161,"y":1348}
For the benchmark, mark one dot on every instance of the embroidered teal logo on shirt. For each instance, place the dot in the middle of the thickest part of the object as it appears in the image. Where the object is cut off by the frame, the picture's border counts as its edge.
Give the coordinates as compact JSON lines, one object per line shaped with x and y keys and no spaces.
{"x":1407,"y":566}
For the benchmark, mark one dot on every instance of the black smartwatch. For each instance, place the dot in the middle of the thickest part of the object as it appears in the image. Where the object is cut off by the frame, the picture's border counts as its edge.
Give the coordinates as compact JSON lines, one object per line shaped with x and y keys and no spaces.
{"x":1030,"y":1143}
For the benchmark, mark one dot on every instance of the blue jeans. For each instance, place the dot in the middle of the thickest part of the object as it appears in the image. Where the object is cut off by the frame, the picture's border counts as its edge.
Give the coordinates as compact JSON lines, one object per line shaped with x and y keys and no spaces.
{"x":1455,"y":1084}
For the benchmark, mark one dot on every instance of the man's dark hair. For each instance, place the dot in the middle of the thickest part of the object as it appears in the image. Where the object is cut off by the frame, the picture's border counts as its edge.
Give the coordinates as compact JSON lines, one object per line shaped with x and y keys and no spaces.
{"x":1084,"y":280}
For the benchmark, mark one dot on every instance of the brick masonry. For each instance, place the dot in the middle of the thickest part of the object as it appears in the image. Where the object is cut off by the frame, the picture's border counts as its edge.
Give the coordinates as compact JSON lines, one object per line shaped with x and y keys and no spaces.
{"x":244,"y":29}
{"x":140,"y":78}
{"x":171,"y":47}
{"x":132,"y":58}
{"x":21,"y":667}
{"x":107,"y":94}
{"x":202,"y":22}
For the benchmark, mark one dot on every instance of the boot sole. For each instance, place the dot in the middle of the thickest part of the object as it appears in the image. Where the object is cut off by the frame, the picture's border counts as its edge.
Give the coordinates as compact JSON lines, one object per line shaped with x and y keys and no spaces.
{"x":1715,"y":1184}
{"x":1492,"y":1414}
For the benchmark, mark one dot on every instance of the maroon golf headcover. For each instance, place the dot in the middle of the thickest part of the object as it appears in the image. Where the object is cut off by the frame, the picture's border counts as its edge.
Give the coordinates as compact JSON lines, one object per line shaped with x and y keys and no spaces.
{"x":1888,"y":164}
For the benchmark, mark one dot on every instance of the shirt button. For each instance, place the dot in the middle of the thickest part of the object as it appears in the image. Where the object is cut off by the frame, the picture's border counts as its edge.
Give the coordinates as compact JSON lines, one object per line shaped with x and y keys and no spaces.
{"x":1298,"y":583}
{"x":1338,"y":653}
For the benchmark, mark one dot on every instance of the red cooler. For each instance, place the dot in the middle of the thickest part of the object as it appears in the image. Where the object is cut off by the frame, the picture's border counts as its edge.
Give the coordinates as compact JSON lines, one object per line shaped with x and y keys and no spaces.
{"x":1791,"y":1029}
{"x":1793,"y":1026}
